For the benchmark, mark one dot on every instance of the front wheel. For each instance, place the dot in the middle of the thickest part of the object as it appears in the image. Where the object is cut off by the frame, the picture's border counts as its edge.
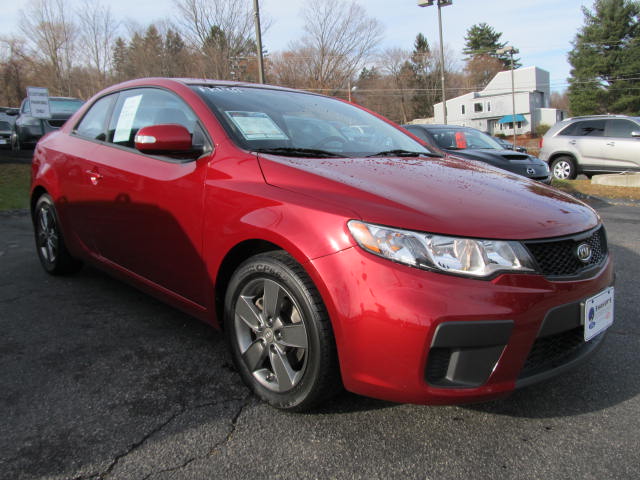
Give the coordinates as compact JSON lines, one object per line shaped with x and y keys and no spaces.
{"x":563,"y":168}
{"x":279,"y":333}
{"x":52,"y":251}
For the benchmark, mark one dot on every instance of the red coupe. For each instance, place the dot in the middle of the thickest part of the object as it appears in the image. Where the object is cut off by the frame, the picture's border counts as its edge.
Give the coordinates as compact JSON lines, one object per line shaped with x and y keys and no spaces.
{"x":330,"y":245}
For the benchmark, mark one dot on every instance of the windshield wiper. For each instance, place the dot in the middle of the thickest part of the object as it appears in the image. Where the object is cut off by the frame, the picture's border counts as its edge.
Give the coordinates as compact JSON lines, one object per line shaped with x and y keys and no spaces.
{"x":404,"y":153}
{"x":299,"y":152}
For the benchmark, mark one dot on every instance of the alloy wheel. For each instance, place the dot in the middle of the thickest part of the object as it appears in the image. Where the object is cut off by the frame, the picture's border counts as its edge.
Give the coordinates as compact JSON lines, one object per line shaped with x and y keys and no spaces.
{"x":271,"y":334}
{"x":47,"y":234}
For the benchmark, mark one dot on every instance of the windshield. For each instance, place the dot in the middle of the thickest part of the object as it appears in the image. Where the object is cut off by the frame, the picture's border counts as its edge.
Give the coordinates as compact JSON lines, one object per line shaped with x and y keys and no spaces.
{"x":262,"y":119}
{"x":58,"y":106}
{"x":463,"y":138}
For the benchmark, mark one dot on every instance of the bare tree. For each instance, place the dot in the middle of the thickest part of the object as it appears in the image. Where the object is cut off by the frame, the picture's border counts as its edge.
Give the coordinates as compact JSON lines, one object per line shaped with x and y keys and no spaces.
{"x":16,"y":69}
{"x":222,"y":31}
{"x":339,"y":39}
{"x":480,"y":70}
{"x":98,"y":31}
{"x":51,"y":35}
{"x":395,"y":63}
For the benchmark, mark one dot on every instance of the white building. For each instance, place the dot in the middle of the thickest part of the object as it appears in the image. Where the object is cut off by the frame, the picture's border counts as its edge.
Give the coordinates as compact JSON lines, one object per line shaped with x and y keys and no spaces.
{"x":491,"y":110}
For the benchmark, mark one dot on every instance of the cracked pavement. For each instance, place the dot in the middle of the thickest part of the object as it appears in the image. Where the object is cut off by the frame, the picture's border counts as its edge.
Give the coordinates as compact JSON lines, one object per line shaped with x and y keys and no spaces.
{"x":100,"y":381}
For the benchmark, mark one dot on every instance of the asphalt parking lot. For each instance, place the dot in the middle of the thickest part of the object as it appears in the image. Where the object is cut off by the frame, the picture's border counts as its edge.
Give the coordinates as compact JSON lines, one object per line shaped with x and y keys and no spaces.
{"x":98,"y":380}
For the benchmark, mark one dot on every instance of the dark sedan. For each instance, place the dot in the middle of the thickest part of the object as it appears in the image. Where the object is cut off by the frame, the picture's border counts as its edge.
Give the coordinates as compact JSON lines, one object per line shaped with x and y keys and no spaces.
{"x":28,"y":129}
{"x":466,"y":142}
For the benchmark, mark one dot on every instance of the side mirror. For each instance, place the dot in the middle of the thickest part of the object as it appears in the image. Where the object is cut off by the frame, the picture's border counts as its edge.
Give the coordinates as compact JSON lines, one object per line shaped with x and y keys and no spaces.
{"x":635,"y":133}
{"x":164,"y":140}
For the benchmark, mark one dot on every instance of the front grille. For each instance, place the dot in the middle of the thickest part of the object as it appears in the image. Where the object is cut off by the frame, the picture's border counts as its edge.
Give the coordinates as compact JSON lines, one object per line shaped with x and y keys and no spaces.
{"x":558,"y":258}
{"x":552,"y":351}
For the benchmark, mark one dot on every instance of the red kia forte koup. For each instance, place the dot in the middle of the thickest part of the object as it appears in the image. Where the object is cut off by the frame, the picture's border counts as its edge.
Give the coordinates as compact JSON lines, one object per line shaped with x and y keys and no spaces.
{"x":330,"y":246}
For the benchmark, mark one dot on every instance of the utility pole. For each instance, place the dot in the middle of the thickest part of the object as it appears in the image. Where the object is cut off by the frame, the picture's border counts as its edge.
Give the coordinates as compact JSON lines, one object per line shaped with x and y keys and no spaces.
{"x":441,"y":3}
{"x":256,"y":13}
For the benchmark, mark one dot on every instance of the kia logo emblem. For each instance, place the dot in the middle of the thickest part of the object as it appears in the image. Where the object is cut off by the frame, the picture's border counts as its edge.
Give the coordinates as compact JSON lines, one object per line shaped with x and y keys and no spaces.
{"x":530,"y":171}
{"x":584,"y":252}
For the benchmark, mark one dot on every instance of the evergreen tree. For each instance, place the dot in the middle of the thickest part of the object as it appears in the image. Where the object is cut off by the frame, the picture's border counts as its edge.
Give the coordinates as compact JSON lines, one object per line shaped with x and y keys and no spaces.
{"x":120,"y":59}
{"x":424,"y":69}
{"x":605,"y":60}
{"x":482,"y":40}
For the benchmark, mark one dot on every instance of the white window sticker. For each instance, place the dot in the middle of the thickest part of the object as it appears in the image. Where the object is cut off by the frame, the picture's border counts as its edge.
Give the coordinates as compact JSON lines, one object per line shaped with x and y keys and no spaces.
{"x":125,"y":120}
{"x":257,"y":126}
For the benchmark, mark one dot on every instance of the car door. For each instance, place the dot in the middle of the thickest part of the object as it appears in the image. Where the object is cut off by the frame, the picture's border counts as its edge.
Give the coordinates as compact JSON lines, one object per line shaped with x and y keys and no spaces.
{"x":76,"y":179}
{"x":621,"y":150}
{"x":588,"y":138}
{"x":148,"y":210}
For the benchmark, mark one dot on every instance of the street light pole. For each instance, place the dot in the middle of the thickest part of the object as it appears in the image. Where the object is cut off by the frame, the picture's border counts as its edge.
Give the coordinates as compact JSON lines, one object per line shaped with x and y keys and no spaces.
{"x":441,"y":3}
{"x":511,"y":51}
{"x":256,"y":12}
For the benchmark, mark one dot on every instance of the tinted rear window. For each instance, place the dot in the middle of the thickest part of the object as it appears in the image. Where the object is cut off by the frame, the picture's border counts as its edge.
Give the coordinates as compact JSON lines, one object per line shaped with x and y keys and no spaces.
{"x":585,"y":128}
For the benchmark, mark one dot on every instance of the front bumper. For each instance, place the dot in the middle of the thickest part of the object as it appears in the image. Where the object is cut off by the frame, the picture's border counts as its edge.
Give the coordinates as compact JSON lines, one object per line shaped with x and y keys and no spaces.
{"x":389,"y":319}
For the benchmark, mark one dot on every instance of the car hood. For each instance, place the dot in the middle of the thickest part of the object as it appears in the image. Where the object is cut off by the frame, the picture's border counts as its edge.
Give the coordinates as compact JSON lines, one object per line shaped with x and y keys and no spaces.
{"x":439,"y":195}
{"x":499,"y":158}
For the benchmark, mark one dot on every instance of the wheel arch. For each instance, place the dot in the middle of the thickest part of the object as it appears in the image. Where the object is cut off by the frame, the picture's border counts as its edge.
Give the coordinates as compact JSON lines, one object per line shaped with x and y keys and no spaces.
{"x":37,"y":192}
{"x":555,"y":155}
{"x":229,"y":264}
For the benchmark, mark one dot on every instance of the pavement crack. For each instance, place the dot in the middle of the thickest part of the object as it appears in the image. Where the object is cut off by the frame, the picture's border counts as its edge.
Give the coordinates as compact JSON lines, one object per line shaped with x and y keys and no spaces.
{"x":141,"y":442}
{"x":234,"y":421}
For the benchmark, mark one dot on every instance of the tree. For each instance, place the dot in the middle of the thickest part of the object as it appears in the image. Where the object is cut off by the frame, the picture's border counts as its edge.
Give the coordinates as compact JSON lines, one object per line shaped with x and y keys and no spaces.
{"x":482,"y":40}
{"x":51,"y":36}
{"x":480,"y":70}
{"x":339,"y":39}
{"x":426,"y":77}
{"x":97,"y":32}
{"x":605,"y":60}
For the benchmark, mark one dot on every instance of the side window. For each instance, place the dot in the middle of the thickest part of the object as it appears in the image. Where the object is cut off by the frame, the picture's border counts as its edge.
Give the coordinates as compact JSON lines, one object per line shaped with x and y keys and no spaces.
{"x":142,"y":107}
{"x":462,"y":109}
{"x":94,"y":123}
{"x":26,"y":108}
{"x":477,"y":107}
{"x":589,"y":128}
{"x":621,"y":128}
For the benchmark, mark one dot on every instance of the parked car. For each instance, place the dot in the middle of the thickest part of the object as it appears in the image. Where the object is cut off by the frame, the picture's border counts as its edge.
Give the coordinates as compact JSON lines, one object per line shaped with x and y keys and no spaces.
{"x":467,"y":142}
{"x":28,"y":129}
{"x":5,"y":134}
{"x":378,"y":265}
{"x":594,"y":144}
{"x":509,"y":146}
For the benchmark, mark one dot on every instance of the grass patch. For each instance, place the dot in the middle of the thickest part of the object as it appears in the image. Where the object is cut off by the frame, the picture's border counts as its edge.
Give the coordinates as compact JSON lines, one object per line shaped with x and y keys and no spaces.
{"x":585,"y":187}
{"x":14,"y":186}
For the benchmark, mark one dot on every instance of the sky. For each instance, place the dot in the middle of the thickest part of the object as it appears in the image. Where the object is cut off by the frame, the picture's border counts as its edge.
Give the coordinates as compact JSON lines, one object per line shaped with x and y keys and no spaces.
{"x":541,"y":29}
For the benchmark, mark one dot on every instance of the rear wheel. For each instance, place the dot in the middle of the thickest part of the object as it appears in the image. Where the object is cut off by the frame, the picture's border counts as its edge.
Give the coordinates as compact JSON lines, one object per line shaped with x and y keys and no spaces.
{"x":563,"y":168}
{"x":52,"y":251}
{"x":279,"y":333}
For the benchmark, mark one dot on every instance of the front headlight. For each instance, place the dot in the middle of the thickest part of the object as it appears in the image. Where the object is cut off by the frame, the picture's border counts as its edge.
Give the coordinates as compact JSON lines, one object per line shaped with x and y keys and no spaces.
{"x":462,"y":256}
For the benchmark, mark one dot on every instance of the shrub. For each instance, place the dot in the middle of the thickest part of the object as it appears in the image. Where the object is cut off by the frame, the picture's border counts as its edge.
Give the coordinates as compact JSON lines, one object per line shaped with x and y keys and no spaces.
{"x":542,"y":129}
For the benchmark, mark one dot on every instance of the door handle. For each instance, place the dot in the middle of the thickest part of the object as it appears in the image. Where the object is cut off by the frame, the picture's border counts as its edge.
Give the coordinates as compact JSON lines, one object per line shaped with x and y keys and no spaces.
{"x":94,"y":176}
{"x":572,"y":142}
{"x":612,"y":144}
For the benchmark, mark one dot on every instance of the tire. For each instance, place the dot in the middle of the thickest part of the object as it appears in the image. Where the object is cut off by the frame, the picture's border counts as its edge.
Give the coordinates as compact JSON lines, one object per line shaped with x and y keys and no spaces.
{"x":15,"y":143}
{"x":50,"y":246}
{"x":279,"y":333}
{"x":564,"y":168}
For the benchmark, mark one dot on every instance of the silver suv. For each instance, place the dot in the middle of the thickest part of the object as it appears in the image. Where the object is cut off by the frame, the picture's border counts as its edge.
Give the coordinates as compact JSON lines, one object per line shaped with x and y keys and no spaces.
{"x":594,"y":144}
